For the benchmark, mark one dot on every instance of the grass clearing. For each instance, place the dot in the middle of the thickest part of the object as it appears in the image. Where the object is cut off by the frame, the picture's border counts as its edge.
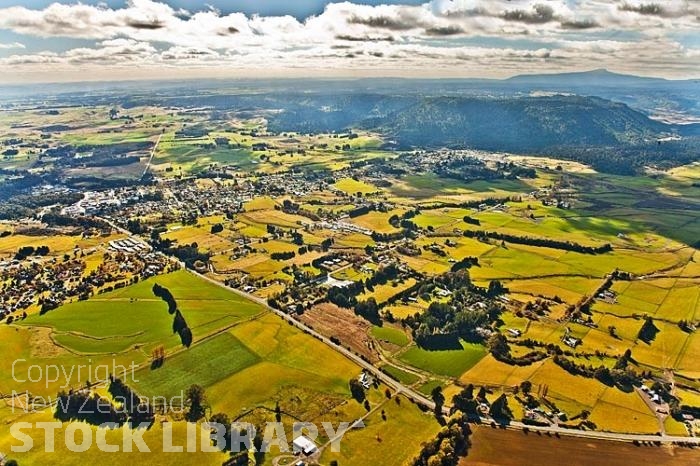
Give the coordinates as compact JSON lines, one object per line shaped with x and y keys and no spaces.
{"x":392,"y":335}
{"x":451,"y":363}
{"x":402,"y":376}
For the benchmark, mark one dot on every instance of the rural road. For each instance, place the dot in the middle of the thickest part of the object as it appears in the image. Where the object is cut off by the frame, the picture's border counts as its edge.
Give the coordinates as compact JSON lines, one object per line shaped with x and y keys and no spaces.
{"x":399,"y":388}
{"x":153,"y":152}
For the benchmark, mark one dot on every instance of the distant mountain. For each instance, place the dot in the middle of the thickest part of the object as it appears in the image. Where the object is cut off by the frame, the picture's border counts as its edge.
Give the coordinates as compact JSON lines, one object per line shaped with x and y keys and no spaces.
{"x":600,"y":77}
{"x":611,"y":136}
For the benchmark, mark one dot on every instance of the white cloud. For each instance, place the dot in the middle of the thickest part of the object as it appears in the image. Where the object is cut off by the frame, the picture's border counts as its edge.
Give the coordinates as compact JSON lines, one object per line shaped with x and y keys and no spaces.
{"x":12,"y":45}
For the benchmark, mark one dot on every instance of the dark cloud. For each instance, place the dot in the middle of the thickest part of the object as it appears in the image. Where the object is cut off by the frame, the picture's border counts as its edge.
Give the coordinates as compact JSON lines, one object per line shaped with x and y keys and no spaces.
{"x":402,"y":22}
{"x":457,"y":14}
{"x":444,"y":31}
{"x":229,"y":31}
{"x":350,"y":38}
{"x":145,"y":24}
{"x":579,"y":24}
{"x":651,"y":9}
{"x":540,"y":14}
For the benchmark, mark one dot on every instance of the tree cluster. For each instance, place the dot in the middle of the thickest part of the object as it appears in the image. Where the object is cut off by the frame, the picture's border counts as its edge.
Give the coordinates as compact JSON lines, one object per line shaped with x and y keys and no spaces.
{"x":26,"y":251}
{"x":136,"y":409}
{"x":448,"y":446}
{"x":624,"y":378}
{"x":81,"y":405}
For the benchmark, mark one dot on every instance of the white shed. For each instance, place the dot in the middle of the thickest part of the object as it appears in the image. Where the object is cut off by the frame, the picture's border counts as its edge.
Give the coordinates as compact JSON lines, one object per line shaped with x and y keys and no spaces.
{"x":304,"y":445}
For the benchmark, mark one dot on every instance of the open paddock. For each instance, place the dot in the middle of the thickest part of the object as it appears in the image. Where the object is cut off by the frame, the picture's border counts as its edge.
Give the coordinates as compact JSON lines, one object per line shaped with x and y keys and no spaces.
{"x":496,"y":447}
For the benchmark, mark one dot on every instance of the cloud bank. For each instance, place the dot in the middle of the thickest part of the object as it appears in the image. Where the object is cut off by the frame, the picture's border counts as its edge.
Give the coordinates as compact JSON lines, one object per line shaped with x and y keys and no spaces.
{"x":438,"y":38}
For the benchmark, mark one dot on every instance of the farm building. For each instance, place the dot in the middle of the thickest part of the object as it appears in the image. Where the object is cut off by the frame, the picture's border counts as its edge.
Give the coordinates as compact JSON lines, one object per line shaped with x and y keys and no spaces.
{"x":304,"y":445}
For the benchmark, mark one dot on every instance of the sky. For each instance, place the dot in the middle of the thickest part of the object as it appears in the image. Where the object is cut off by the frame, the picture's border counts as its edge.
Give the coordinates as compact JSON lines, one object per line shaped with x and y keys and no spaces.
{"x":67,"y":40}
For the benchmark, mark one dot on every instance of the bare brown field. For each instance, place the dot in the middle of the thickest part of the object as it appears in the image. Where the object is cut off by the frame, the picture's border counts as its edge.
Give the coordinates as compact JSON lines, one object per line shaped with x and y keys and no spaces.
{"x":331,"y":320}
{"x":495,"y":447}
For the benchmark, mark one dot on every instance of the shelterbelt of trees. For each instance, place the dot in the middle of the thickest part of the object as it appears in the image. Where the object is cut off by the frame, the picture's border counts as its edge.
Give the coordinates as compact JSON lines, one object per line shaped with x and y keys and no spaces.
{"x":540,"y":242}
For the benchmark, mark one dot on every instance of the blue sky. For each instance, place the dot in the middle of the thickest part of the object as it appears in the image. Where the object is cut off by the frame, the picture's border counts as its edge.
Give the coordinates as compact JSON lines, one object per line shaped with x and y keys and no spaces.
{"x":117,"y":39}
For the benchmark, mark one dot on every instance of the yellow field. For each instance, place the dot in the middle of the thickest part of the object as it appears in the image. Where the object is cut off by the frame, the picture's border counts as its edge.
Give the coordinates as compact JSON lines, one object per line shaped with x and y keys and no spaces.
{"x":260,"y":203}
{"x":58,"y":244}
{"x":377,"y":221}
{"x":383,"y":292}
{"x":395,"y":440}
{"x":491,"y":372}
{"x":351,"y":186}
{"x":618,"y":411}
{"x":206,"y":241}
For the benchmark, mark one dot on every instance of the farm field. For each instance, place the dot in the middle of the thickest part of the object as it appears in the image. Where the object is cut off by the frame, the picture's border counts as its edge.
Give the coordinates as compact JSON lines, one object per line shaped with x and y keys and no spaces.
{"x":89,"y":328}
{"x":350,"y":186}
{"x":288,"y":361}
{"x":304,"y":377}
{"x":395,"y":437}
{"x":494,"y":447}
{"x":204,"y":364}
{"x":452,"y":362}
{"x":153,"y":438}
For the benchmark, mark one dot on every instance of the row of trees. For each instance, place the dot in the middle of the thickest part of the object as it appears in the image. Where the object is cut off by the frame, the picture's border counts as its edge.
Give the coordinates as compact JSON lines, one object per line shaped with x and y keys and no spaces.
{"x":489,"y":201}
{"x":539,"y":242}
{"x":500,"y":349}
{"x":165,"y":294}
{"x":282,"y":256}
{"x":624,"y":378}
{"x":81,"y":405}
{"x":179,"y":323}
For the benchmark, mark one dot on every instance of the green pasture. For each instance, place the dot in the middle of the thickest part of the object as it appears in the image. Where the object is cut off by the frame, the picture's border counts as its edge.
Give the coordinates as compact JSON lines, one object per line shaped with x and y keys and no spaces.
{"x":450,"y":362}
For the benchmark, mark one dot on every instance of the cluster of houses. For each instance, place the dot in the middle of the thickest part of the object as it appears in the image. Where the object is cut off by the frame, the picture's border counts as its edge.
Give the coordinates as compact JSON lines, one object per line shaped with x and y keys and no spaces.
{"x":653,"y":396}
{"x":224,"y":195}
{"x":540,"y":415}
{"x":49,"y":281}
{"x":332,"y":264}
{"x":94,"y":202}
{"x":129,"y":245}
{"x":27,"y":281}
{"x":340,"y":225}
